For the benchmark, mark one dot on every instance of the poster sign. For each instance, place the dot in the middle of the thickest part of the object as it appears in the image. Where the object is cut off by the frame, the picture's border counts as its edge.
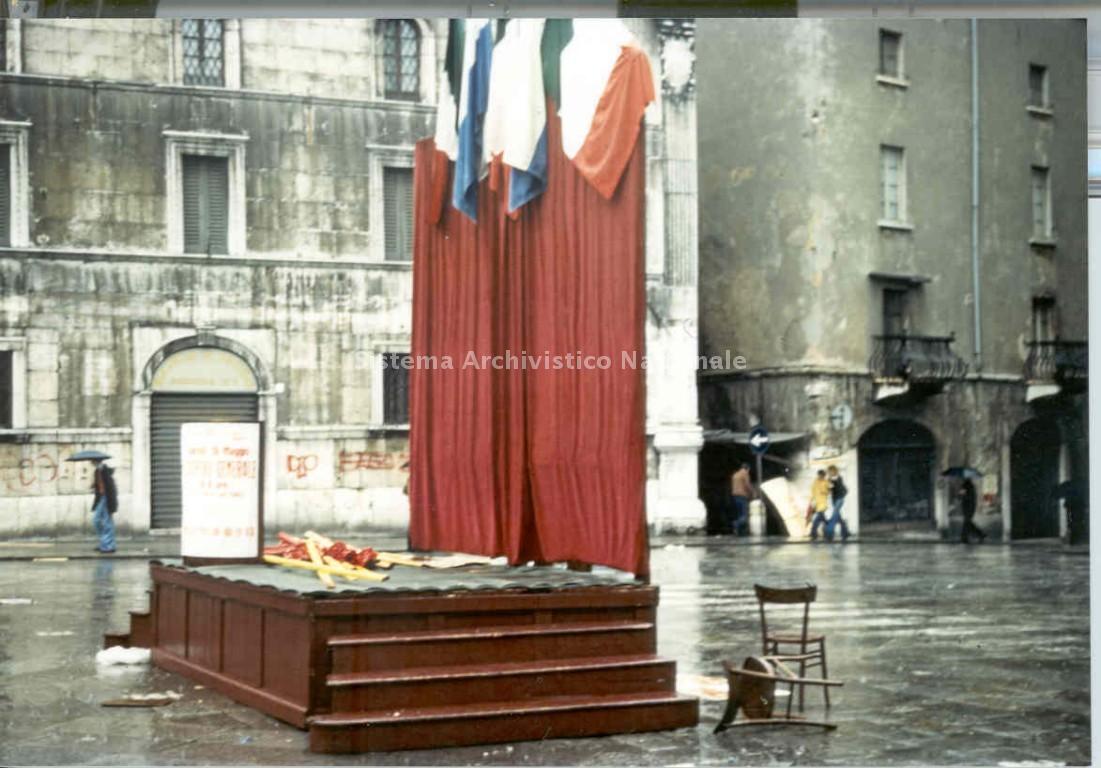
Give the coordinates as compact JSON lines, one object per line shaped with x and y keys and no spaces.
{"x":220,"y":484}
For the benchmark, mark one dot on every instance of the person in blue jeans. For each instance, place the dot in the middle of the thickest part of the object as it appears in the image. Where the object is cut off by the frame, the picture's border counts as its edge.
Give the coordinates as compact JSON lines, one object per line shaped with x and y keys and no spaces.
{"x":838,"y":492}
{"x":104,"y":505}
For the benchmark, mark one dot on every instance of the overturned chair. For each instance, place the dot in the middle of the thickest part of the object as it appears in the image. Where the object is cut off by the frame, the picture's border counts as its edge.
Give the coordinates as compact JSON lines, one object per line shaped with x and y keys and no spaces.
{"x":753,"y":692}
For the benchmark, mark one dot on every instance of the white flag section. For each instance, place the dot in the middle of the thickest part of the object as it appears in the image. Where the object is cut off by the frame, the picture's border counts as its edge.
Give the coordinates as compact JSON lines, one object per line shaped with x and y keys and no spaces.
{"x":517,"y":112}
{"x":220,"y":480}
{"x":587,"y":63}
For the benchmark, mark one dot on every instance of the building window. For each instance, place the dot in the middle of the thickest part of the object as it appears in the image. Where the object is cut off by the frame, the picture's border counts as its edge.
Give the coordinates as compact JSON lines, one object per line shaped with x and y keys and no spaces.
{"x":1041,"y":204}
{"x":397,"y":190}
{"x":1038,"y":87}
{"x":13,"y":382}
{"x":893,"y":183}
{"x":3,"y":45}
{"x":896,"y":311}
{"x":203,"y":51}
{"x":890,"y":54}
{"x":205,"y":204}
{"x":5,"y":195}
{"x":205,"y":201}
{"x":1043,"y":318}
{"x":7,"y":393}
{"x":15,"y":197}
{"x":395,"y":387}
{"x":401,"y":54}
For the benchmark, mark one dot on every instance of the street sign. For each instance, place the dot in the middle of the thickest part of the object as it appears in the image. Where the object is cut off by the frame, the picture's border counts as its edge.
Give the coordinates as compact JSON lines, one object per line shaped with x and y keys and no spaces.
{"x":841,"y":417}
{"x":758,"y":439}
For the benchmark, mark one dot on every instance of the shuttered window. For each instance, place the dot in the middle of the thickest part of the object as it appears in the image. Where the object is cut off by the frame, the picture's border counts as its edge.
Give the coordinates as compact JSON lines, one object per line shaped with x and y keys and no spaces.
{"x":395,"y":388}
{"x":206,"y":204}
{"x":6,"y":389}
{"x":5,"y":194}
{"x":397,"y":192}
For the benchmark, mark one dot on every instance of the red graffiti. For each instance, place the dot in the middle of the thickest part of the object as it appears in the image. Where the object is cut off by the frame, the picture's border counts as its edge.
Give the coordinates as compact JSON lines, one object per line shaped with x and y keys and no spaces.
{"x":41,"y":469}
{"x":300,"y":466}
{"x":354,"y":460}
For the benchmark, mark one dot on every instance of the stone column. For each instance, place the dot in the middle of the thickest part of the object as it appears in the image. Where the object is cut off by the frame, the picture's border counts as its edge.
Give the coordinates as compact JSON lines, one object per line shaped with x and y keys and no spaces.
{"x":140,"y":406}
{"x":269,"y":491}
{"x":672,"y":302}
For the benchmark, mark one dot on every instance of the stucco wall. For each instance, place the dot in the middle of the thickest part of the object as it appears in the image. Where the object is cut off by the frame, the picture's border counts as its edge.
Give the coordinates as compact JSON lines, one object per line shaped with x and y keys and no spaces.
{"x":790,"y":188}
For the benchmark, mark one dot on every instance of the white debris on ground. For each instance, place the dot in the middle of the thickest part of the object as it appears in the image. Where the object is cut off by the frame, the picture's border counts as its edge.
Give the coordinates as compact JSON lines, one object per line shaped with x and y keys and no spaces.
{"x":15,"y":601}
{"x":116,"y":654}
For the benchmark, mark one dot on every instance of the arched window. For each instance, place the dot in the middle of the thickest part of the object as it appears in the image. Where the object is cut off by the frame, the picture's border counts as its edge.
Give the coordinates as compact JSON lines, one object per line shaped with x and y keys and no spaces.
{"x":401,"y":54}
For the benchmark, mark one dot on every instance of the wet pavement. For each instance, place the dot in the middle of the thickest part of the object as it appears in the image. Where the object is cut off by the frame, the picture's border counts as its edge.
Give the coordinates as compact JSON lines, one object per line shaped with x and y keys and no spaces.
{"x":950,"y":655}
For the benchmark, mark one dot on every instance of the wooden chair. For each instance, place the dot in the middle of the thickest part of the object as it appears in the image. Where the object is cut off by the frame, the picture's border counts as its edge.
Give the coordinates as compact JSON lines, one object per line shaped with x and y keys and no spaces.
{"x":753,"y":692}
{"x":803,"y":648}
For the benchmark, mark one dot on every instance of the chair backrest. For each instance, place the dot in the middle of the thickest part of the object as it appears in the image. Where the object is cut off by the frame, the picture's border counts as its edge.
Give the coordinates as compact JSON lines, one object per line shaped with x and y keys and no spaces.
{"x":784,"y":596}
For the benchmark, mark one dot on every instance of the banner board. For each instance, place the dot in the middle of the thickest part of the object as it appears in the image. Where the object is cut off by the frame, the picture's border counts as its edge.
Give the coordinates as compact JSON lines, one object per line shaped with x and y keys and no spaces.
{"x":220,"y":483}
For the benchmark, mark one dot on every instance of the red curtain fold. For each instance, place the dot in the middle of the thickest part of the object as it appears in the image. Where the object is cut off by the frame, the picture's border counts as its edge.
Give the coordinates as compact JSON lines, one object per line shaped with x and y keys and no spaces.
{"x":535,"y":464}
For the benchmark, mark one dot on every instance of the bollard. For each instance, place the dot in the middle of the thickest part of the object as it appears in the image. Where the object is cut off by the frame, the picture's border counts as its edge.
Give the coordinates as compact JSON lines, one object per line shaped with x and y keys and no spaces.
{"x":756,"y":518}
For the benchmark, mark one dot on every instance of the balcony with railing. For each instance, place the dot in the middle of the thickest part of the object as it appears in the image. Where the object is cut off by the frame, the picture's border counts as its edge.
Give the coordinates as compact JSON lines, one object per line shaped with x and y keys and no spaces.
{"x":1056,"y":366}
{"x":911,"y":364}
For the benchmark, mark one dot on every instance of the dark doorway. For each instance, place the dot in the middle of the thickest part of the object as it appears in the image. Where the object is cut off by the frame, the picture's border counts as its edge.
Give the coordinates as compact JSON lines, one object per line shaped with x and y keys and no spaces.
{"x":1034,"y":474}
{"x":896,"y":461}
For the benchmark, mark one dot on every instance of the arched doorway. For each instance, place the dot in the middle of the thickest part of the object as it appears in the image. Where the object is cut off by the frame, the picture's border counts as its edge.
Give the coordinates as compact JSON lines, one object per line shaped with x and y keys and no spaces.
{"x":896,"y":460}
{"x":196,"y":383}
{"x":1034,"y":474}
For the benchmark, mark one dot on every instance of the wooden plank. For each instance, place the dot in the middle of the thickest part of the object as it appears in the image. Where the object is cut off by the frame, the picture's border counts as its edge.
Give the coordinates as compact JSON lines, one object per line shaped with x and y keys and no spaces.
{"x":204,"y":630}
{"x":267,"y":702}
{"x":457,"y":726}
{"x":464,"y":601}
{"x":287,"y":657}
{"x":171,"y":619}
{"x":242,"y":643}
{"x":513,"y":682}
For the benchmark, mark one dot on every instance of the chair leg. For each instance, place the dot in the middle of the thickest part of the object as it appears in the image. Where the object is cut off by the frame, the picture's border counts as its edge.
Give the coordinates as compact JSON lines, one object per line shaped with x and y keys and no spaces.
{"x":825,"y":673}
{"x":802,"y":688}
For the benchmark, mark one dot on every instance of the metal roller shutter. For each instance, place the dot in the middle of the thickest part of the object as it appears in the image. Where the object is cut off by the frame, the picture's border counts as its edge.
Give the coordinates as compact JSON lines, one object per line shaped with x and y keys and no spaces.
{"x":169,"y":411}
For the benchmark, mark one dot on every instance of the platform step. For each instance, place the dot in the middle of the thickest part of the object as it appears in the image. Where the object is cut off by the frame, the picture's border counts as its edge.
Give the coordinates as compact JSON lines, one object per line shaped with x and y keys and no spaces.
{"x":490,"y":645}
{"x":506,"y":681}
{"x":486,"y":723}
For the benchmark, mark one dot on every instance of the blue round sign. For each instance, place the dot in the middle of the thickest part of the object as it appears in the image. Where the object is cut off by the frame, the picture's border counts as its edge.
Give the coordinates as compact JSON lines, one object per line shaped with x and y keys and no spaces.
{"x":758,"y":439}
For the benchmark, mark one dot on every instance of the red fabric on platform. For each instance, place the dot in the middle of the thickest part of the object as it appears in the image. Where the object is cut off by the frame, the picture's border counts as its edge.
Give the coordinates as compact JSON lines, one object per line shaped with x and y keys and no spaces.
{"x":535,"y":464}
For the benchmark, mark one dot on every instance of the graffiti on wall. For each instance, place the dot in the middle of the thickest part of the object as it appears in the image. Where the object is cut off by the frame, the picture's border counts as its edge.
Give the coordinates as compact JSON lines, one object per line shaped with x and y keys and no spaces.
{"x":326,"y":464}
{"x":43,"y":471}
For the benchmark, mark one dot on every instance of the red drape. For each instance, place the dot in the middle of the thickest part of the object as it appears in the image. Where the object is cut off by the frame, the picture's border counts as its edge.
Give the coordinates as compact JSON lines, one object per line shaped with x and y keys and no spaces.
{"x":536,"y":464}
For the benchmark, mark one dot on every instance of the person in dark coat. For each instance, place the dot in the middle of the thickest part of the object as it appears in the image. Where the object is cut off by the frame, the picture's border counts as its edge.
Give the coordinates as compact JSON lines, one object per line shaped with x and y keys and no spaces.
{"x":969,"y":500}
{"x":104,"y":505}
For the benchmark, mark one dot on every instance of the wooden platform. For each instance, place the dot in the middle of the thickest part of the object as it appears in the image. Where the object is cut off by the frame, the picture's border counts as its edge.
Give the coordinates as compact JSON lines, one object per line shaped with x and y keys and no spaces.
{"x":390,"y":669}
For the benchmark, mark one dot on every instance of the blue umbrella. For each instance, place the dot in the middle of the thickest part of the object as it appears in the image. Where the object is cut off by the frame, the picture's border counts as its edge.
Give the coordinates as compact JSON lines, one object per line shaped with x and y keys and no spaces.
{"x":962,"y":472}
{"x":89,"y":456}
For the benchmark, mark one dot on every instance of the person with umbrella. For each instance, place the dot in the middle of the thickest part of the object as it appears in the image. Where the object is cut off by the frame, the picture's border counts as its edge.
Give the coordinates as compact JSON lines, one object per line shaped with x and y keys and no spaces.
{"x":106,"y":500}
{"x":969,"y":499}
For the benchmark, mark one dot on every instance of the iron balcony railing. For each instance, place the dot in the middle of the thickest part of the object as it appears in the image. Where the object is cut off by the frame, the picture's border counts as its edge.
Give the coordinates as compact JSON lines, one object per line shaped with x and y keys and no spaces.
{"x":1062,"y":361}
{"x":916,"y":359}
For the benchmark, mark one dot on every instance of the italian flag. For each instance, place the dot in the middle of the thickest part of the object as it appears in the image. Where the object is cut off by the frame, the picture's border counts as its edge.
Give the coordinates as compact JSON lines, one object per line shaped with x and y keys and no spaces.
{"x":606,"y":85}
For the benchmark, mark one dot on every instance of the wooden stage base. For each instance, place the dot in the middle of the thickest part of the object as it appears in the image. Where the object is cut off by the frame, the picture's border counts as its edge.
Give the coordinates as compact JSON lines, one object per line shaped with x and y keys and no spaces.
{"x":374,"y":671}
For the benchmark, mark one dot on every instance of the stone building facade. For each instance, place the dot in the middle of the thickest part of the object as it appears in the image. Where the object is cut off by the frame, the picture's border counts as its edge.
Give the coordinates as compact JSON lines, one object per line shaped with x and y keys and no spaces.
{"x":893,"y":234}
{"x":213,"y":219}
